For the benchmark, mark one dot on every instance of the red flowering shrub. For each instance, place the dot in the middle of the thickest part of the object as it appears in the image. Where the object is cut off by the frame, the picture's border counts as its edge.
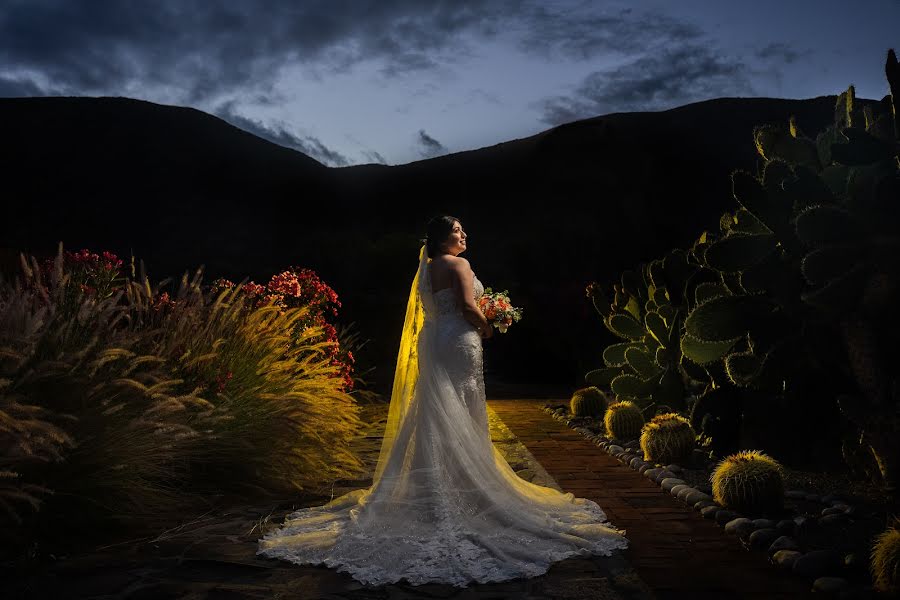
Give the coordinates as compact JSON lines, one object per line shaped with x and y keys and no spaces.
{"x":73,"y":277}
{"x":97,"y":275}
{"x":100,"y":276}
{"x":294,"y":288}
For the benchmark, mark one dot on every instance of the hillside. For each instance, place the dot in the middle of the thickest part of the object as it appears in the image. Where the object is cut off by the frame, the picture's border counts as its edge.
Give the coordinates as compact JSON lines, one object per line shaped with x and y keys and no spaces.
{"x":545,"y":214}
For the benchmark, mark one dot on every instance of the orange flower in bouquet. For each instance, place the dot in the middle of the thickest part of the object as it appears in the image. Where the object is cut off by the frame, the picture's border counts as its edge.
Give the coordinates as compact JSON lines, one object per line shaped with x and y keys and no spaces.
{"x":498,"y":309}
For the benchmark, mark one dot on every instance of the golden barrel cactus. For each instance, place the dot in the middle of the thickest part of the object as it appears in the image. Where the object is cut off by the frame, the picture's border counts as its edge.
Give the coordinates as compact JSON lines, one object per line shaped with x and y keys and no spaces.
{"x":749,"y":481}
{"x":886,"y":561}
{"x":588,"y":402}
{"x":623,"y":420}
{"x":667,"y":438}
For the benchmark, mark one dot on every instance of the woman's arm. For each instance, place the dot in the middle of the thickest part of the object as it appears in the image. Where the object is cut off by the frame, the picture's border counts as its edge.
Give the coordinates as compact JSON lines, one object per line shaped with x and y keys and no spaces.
{"x":463,"y":274}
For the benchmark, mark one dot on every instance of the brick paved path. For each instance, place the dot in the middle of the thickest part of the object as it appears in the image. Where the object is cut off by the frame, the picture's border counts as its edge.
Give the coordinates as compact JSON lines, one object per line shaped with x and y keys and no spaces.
{"x":674,"y":550}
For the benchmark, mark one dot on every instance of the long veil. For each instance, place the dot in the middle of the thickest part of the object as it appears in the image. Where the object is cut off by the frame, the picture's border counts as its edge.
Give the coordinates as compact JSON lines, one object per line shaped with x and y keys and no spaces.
{"x":407,"y":369}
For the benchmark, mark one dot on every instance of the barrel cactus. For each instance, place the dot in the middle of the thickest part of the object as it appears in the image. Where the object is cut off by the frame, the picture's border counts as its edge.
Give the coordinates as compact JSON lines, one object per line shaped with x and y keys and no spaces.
{"x":623,"y":420}
{"x":588,"y":402}
{"x":667,"y":438}
{"x":886,"y":561}
{"x":749,"y":481}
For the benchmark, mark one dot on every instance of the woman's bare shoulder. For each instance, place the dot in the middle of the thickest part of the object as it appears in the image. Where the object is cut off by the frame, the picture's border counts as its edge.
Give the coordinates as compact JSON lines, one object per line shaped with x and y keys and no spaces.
{"x":451,"y":262}
{"x":459,"y":262}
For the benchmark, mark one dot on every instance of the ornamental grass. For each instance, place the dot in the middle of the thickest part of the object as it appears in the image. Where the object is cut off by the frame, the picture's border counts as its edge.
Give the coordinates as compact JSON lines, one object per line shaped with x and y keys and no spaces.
{"x":121,"y":403}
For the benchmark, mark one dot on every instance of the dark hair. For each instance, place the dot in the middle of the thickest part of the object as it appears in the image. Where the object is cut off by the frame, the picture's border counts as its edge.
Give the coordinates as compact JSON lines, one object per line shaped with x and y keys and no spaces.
{"x":438,"y":230}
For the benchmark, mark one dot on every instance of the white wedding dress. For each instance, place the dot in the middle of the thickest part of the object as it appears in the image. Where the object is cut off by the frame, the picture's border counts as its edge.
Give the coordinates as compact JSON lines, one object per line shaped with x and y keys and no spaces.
{"x":444,"y":506}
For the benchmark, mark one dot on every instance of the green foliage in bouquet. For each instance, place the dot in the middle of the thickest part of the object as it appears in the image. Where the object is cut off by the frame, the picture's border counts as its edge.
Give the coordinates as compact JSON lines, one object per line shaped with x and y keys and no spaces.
{"x":623,"y":420}
{"x":667,"y":438}
{"x":750,"y":482}
{"x":588,"y":402}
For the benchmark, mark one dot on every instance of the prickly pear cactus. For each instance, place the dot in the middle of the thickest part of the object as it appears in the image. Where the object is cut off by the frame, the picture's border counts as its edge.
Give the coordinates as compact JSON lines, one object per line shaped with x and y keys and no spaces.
{"x":799,"y":284}
{"x":645,"y":310}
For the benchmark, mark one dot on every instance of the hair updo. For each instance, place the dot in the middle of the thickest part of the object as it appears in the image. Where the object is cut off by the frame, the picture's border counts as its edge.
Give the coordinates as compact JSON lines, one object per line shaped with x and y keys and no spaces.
{"x":437,"y":231}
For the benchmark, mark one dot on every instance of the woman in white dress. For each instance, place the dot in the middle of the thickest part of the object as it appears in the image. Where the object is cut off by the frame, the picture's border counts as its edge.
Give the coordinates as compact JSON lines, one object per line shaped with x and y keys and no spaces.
{"x":444,"y":505}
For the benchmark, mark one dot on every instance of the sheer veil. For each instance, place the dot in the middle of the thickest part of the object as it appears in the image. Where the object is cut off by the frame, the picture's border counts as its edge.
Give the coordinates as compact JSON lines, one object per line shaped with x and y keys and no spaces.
{"x":407,"y":369}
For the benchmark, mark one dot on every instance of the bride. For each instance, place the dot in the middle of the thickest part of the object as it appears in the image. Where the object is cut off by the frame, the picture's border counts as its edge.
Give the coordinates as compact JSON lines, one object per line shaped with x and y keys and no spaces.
{"x":444,"y":505}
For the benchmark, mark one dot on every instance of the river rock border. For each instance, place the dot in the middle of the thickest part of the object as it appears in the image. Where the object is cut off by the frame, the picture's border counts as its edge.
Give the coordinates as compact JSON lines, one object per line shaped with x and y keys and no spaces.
{"x":826,"y":568}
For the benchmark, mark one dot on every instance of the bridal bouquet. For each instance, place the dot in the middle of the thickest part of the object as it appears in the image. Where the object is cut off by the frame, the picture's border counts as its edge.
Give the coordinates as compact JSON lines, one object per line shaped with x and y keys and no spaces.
{"x":498,"y":310}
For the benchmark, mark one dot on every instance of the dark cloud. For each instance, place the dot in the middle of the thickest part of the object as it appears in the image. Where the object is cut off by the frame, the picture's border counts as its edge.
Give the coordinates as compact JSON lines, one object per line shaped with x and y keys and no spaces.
{"x":780,"y":52}
{"x":662,"y":79}
{"x":586,"y":32}
{"x":428,"y":146}
{"x":773,"y":57}
{"x":309,"y":145}
{"x":203,"y":48}
{"x":13,"y":88}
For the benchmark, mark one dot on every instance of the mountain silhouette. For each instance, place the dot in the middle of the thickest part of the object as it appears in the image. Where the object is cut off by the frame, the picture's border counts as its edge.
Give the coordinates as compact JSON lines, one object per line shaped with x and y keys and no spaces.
{"x":545,"y":214}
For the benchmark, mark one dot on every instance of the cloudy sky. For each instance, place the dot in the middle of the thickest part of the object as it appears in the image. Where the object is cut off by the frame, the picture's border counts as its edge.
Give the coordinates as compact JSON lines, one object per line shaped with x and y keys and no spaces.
{"x":394,"y":81}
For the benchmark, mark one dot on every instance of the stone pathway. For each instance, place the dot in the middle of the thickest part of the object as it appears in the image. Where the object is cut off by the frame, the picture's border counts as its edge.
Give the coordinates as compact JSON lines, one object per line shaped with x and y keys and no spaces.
{"x":675,"y":551}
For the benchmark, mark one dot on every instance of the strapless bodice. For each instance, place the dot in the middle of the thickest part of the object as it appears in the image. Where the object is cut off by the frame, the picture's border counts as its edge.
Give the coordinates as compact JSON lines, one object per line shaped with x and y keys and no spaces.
{"x":445,"y":299}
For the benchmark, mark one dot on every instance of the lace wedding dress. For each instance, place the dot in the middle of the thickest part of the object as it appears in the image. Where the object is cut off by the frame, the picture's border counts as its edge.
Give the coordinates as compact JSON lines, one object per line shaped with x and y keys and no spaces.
{"x":444,"y":506}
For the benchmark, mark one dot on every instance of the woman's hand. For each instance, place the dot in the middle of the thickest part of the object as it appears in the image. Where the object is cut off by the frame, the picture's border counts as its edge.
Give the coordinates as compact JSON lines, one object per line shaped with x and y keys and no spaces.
{"x":487,"y":332}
